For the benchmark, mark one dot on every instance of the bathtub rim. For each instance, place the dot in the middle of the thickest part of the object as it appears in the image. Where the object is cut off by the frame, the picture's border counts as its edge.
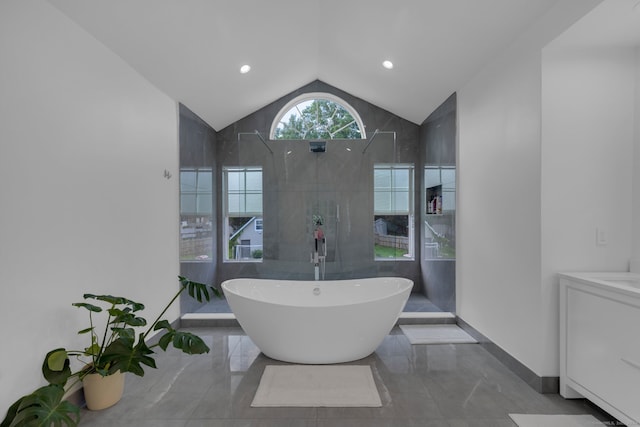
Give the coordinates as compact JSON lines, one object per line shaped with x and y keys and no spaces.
{"x":407,"y":284}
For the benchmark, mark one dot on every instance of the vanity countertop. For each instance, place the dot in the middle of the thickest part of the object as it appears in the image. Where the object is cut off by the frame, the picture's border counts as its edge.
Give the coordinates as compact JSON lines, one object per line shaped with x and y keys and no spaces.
{"x":625,"y":282}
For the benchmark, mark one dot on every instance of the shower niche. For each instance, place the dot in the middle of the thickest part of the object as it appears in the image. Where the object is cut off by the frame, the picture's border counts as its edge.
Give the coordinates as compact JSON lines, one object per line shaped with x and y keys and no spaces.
{"x":433,"y":197}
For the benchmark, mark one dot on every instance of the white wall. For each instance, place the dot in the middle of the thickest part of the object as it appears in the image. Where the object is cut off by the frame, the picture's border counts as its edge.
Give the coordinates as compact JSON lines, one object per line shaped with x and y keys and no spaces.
{"x":498,"y":271}
{"x":84,"y":142}
{"x":499,"y":277}
{"x":588,"y":134}
{"x":635,"y":259}
{"x":588,"y":111}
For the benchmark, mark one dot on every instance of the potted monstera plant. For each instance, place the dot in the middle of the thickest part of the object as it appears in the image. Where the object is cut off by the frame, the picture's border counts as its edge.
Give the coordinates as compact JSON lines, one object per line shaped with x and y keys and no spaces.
{"x":116,"y":346}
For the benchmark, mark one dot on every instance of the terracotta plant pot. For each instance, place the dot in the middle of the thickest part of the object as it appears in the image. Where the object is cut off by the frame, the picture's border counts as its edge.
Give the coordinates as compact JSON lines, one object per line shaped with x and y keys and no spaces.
{"x":102,"y":392}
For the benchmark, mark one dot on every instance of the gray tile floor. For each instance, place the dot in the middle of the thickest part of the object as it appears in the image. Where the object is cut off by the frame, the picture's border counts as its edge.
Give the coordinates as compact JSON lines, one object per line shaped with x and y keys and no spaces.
{"x":443,"y":385}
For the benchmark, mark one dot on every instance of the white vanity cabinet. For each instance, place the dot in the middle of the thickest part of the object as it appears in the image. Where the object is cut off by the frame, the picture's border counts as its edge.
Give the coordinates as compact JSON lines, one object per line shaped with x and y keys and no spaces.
{"x":600,"y":341}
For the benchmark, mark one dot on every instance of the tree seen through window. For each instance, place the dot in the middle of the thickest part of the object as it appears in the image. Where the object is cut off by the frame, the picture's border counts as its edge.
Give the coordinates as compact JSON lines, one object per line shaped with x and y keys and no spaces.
{"x":317,"y":119}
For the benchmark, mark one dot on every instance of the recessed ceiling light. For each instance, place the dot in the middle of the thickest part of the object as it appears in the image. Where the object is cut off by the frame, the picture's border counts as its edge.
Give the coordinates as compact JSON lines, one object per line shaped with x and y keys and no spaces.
{"x":245,"y":69}
{"x":387,"y":64}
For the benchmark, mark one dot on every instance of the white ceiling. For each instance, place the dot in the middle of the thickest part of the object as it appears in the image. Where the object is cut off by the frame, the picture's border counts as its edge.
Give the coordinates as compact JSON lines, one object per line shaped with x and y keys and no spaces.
{"x":192,"y":49}
{"x":611,"y":23}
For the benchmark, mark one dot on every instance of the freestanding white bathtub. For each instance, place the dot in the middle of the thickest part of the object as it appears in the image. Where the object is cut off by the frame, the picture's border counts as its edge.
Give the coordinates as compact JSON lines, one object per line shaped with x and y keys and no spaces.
{"x":319,"y":322}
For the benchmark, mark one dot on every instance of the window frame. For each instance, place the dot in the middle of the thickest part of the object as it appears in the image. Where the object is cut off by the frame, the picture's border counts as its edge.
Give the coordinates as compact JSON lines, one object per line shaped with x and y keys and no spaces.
{"x":255,"y":215}
{"x":409,"y":212}
{"x":199,"y":229}
{"x":311,"y":96}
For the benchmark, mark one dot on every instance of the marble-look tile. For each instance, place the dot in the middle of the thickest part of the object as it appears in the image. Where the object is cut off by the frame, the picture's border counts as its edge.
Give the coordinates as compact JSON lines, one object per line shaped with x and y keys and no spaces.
{"x":355,"y":422}
{"x":490,"y":422}
{"x":451,"y":385}
{"x":252,"y":423}
{"x":137,"y":423}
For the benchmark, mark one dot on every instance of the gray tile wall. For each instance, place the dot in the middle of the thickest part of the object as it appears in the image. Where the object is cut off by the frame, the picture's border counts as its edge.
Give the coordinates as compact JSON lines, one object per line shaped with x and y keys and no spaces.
{"x":438,"y":148}
{"x":337,"y":184}
{"x":197,"y":149}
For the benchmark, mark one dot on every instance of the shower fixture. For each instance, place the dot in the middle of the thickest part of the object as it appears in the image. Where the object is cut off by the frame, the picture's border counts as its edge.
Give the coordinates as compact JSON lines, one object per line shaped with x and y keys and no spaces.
{"x":259,"y":135}
{"x":319,"y":254}
{"x":378,"y":132}
{"x":317,"y":146}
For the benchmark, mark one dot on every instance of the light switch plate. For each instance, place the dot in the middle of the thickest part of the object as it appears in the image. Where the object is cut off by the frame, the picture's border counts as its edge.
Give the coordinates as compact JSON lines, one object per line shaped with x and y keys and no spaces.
{"x":601,"y":237}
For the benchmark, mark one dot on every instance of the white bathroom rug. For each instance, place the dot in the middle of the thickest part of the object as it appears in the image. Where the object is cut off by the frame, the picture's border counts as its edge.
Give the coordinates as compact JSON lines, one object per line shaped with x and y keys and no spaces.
{"x":316,"y":386}
{"x":532,"y":420}
{"x":436,"y":334}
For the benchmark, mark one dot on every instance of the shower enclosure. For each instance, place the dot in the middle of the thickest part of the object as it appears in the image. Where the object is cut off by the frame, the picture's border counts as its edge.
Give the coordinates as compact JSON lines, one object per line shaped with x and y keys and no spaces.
{"x":366,"y":197}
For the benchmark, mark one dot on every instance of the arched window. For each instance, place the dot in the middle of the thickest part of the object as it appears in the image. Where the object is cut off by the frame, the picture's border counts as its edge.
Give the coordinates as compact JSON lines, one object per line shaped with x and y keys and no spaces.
{"x":317,"y":116}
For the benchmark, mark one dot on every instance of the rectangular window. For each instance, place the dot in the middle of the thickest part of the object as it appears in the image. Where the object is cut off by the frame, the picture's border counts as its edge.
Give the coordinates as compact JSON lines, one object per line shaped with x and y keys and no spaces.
{"x":242,"y":187}
{"x":196,"y":207}
{"x":393,"y":212}
{"x":440,"y":212}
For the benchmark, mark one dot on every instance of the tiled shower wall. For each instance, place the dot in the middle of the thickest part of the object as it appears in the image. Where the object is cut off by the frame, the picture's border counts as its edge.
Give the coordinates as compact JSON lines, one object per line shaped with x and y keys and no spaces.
{"x":297,"y":183}
{"x":337,"y":184}
{"x":197,"y":150}
{"x":438,"y":149}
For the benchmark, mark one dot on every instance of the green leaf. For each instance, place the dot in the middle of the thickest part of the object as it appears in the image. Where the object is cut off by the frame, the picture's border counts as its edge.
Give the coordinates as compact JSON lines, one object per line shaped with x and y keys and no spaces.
{"x":163,"y":324}
{"x":43,"y":408}
{"x":189,"y":343}
{"x":165,"y":340}
{"x":134,"y":321}
{"x":197,"y":290}
{"x":116,"y":312}
{"x":126,"y":317}
{"x":94,"y":350}
{"x":191,"y":289}
{"x":126,"y":333}
{"x":56,"y":359}
{"x":107,"y":298}
{"x":11,"y":413}
{"x":114,"y":300}
{"x":55,"y":367}
{"x":216,"y":292}
{"x":84,"y":331}
{"x":136,"y":306}
{"x":88,"y":306}
{"x":129,"y":358}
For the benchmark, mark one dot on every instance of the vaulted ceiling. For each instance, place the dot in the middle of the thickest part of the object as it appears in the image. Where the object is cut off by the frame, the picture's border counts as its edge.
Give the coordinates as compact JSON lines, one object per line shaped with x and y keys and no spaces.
{"x":193,"y":49}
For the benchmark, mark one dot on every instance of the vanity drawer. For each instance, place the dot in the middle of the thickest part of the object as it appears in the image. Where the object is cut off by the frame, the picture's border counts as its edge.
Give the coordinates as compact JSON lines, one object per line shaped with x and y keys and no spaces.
{"x":603,"y":348}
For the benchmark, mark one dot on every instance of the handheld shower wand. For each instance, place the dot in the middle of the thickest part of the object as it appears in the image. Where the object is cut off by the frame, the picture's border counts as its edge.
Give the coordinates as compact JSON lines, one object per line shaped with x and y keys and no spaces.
{"x":320,"y":250}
